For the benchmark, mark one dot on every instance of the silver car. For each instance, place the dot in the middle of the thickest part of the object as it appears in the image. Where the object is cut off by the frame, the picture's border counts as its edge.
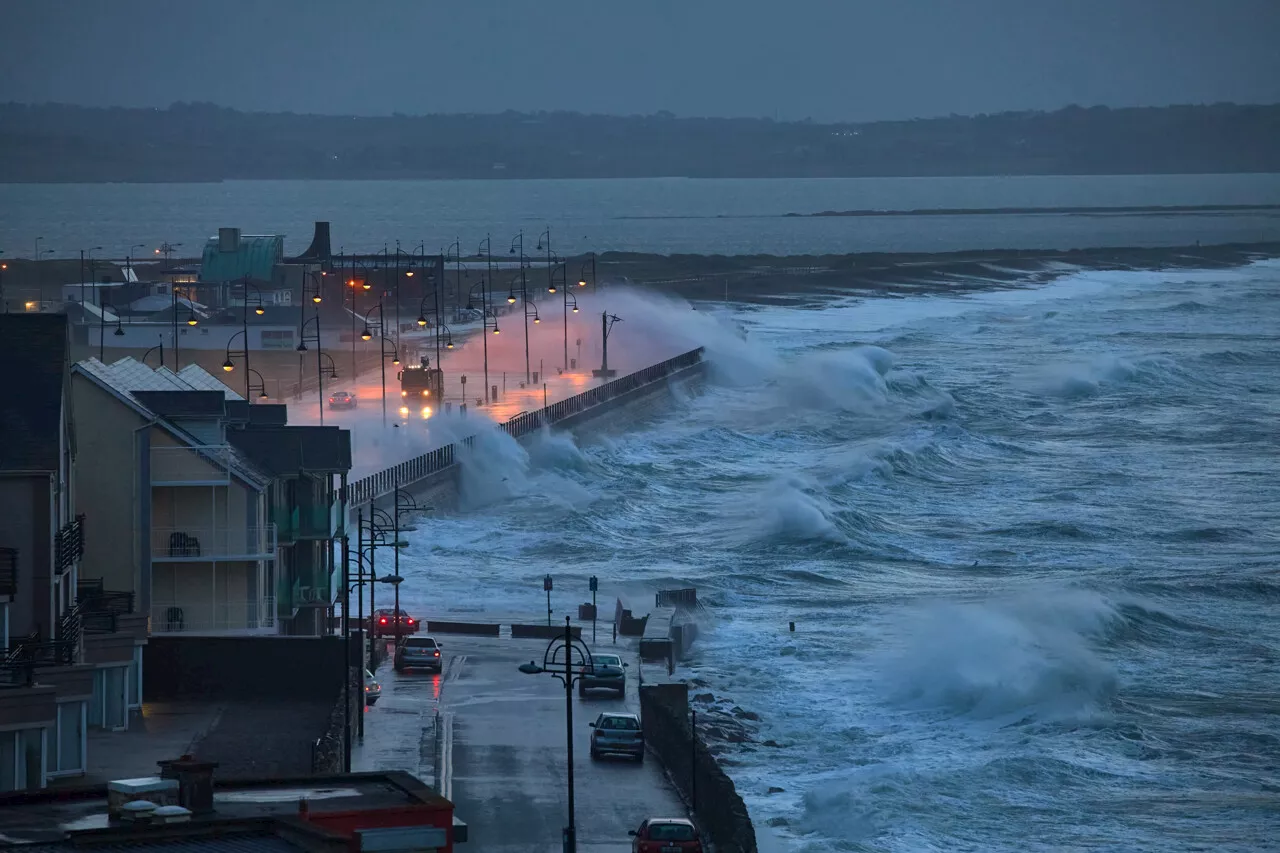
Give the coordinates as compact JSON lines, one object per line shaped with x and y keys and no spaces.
{"x":604,"y":671}
{"x":617,"y":734}
{"x":418,"y":653}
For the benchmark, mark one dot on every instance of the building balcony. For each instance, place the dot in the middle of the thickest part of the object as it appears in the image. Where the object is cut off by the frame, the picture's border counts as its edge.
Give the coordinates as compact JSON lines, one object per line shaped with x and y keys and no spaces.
{"x":206,"y":543}
{"x":206,"y":465}
{"x":214,"y":617}
{"x":8,"y":572}
{"x":308,"y":523}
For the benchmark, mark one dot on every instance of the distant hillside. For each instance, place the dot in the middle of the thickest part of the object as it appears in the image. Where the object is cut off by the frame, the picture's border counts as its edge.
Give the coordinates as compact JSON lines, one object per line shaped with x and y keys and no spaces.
{"x":202,"y":142}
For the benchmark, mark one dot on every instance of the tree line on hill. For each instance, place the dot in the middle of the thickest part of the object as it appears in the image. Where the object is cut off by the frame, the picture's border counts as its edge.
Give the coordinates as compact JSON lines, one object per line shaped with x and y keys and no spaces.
{"x":205,"y":142}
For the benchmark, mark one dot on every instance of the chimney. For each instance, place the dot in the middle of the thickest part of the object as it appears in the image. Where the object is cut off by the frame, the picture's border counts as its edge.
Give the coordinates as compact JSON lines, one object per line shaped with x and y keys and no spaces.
{"x":137,"y":812}
{"x":195,"y":782}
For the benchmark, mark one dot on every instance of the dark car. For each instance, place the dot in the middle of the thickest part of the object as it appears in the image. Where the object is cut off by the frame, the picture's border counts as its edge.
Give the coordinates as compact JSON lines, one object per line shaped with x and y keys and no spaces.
{"x":389,"y":622}
{"x":418,"y":653}
{"x":666,"y":835}
{"x":342,"y":400}
{"x":604,"y":671}
{"x":617,"y":734}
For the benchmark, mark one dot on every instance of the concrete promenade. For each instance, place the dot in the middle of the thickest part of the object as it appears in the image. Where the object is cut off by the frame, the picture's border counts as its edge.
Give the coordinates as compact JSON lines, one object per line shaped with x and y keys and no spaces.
{"x":500,"y":753}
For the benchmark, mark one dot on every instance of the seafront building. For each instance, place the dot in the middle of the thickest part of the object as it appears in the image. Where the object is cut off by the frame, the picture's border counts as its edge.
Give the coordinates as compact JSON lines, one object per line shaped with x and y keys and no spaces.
{"x":141,"y":502}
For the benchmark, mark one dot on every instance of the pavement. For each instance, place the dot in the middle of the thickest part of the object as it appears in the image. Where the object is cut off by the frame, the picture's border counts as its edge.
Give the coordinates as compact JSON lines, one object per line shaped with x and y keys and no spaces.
{"x":501,"y":753}
{"x":162,"y":730}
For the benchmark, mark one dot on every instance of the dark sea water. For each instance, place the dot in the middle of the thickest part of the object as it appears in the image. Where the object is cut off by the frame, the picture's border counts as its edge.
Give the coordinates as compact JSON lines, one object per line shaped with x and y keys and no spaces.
{"x":1029,"y":538}
{"x":643,"y":215}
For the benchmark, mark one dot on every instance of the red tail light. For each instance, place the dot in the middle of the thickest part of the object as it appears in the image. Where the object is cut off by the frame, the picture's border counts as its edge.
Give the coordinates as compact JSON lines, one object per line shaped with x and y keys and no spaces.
{"x":383,"y":620}
{"x":410,"y":621}
{"x":437,"y":654}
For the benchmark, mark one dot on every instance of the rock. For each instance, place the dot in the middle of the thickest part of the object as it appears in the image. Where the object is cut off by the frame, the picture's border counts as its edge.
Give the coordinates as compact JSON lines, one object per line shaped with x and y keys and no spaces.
{"x":774,"y":789}
{"x":772,"y":743}
{"x":745,"y":715}
{"x":778,"y":821}
{"x":705,"y":698}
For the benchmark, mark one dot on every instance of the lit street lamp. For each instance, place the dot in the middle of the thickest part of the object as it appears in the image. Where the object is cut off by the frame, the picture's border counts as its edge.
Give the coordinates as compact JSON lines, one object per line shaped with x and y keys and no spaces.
{"x":558,"y":661}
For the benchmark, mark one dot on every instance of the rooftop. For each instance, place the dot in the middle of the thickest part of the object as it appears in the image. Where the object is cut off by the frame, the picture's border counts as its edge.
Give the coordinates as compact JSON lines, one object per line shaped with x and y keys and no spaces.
{"x":49,"y":816}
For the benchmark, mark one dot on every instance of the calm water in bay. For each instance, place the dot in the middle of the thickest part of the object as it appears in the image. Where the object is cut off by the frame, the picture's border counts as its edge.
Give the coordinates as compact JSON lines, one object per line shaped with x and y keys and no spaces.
{"x":643,"y":215}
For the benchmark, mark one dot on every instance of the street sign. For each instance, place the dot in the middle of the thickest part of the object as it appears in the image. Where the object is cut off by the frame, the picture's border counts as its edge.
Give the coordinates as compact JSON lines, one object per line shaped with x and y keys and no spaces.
{"x":546,"y":583}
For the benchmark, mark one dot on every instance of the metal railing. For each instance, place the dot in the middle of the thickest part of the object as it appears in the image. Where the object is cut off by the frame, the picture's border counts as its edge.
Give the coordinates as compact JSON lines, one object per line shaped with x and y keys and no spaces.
{"x":196,"y":543}
{"x":98,"y":608}
{"x":227,"y":617}
{"x":383,"y":482}
{"x":69,"y":545}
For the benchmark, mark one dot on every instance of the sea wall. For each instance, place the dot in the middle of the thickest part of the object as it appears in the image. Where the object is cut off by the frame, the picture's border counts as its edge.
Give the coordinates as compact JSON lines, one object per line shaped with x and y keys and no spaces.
{"x":701,"y":782}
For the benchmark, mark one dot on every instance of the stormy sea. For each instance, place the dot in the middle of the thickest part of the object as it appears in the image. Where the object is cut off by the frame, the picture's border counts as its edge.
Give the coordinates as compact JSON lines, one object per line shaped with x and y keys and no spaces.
{"x":1028,"y":537}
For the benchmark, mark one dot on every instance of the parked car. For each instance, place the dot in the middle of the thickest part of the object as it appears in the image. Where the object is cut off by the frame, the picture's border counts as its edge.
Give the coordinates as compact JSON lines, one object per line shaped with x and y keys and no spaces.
{"x":418,"y":653}
{"x":342,"y":400}
{"x":390,"y":622}
{"x":372,"y":689}
{"x":604,"y":671}
{"x":666,"y":835}
{"x":617,"y":734}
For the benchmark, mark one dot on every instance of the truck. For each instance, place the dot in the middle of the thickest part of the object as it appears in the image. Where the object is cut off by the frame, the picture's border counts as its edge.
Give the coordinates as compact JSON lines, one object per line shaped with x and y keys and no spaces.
{"x":422,"y":382}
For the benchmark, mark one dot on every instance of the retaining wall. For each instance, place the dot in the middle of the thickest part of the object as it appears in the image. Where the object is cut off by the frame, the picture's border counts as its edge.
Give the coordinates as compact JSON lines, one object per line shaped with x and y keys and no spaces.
{"x":181,"y":667}
{"x":413,"y":472}
{"x":694,"y":771}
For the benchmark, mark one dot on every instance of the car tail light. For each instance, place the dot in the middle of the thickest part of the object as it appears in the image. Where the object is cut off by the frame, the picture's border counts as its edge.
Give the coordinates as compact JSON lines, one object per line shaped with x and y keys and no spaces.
{"x":384,"y":620}
{"x":437,"y":654}
{"x":409,"y":619}
{"x":366,"y":688}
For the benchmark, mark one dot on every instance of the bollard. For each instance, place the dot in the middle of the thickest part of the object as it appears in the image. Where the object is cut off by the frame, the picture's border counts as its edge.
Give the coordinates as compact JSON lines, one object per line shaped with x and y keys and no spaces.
{"x":494,"y":393}
{"x":462,"y":408}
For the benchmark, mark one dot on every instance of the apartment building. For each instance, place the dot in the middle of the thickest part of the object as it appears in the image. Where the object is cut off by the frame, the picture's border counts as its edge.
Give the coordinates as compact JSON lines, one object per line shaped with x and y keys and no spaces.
{"x":198,"y":487}
{"x":71,"y":657}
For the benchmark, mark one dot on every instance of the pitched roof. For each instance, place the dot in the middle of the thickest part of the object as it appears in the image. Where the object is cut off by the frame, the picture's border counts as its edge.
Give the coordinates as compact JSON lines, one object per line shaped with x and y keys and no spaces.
{"x":184,"y":404}
{"x":131,"y":381}
{"x":246,"y":842}
{"x":34,"y":352}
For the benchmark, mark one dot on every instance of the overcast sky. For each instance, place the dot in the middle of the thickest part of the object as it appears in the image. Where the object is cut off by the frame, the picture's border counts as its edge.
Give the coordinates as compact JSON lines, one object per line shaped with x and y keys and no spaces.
{"x":831,"y":60}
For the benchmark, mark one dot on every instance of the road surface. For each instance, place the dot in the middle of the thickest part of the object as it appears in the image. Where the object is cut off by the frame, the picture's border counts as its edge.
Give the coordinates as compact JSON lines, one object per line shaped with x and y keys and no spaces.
{"x":502,"y":757}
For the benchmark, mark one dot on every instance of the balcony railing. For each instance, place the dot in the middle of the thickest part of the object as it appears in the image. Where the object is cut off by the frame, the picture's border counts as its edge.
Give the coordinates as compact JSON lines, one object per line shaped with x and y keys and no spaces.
{"x":8,"y":571}
{"x":98,"y":607}
{"x":313,"y":522}
{"x":69,"y":546}
{"x":214,"y":617}
{"x":196,"y":544}
{"x":208,"y":465}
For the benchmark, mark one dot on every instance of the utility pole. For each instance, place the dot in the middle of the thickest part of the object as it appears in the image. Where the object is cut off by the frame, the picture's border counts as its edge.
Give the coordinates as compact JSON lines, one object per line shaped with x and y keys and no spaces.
{"x":606,"y":324}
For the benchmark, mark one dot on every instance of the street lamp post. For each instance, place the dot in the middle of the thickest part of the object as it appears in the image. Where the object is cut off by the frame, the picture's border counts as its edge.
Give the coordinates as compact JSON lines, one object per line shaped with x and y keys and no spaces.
{"x":546,"y":585}
{"x":128,"y":265}
{"x":517,"y":245}
{"x":367,"y":335}
{"x":594,"y":585}
{"x":258,"y":309}
{"x":582,"y":273}
{"x":83,"y":252}
{"x":564,"y":671}
{"x":102,"y":330}
{"x":395,"y":362}
{"x":564,"y":287}
{"x":484,"y":308}
{"x":606,"y":324}
{"x":323,"y":369}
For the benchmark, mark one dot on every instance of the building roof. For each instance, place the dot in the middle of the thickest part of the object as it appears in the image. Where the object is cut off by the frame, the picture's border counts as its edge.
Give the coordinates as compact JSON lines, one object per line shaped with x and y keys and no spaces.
{"x":185,"y":404}
{"x":34,"y":348}
{"x":130,"y":380}
{"x":255,"y":257}
{"x":287,"y":451}
{"x":235,"y":842}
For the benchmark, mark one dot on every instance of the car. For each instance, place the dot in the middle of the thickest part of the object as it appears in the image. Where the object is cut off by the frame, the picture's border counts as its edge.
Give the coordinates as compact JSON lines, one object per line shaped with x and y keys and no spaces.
{"x":418,"y":653}
{"x":666,"y":835}
{"x":342,"y":400}
{"x":389,"y":622}
{"x":617,"y":734}
{"x":372,"y":689}
{"x":604,"y":671}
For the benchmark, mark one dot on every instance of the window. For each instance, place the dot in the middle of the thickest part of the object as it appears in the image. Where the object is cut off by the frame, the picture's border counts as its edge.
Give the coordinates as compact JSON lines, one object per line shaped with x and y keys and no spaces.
{"x":109,"y":707}
{"x":22,"y":760}
{"x":70,"y":737}
{"x":277,"y":338}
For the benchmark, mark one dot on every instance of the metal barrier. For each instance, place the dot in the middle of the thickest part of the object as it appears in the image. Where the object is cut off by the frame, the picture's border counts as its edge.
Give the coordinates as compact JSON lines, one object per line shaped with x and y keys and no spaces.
{"x":383,"y":482}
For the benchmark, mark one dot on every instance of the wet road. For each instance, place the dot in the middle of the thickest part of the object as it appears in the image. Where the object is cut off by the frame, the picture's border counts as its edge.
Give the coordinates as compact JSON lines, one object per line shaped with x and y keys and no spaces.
{"x":502,"y":750}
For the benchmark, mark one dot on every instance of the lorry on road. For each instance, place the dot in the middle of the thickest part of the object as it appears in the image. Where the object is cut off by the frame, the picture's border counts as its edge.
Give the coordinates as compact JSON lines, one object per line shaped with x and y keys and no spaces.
{"x":422,"y":382}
